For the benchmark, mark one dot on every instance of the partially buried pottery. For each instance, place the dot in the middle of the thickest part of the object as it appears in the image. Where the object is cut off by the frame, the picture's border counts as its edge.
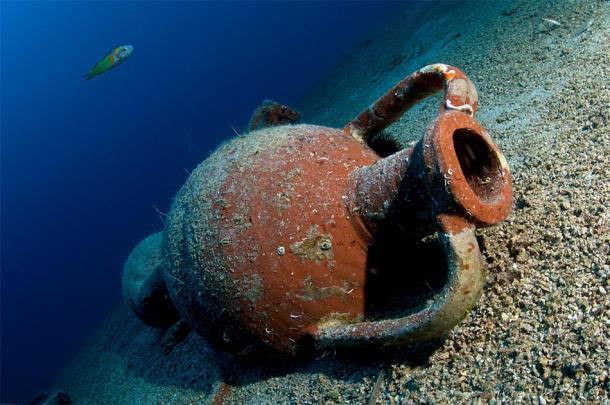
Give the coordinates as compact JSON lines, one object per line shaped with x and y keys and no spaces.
{"x":300,"y":236}
{"x":144,"y":290}
{"x":271,"y":114}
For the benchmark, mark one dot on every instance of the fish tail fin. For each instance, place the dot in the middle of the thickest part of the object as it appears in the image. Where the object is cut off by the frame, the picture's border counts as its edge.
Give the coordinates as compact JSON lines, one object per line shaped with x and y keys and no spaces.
{"x":88,"y":76}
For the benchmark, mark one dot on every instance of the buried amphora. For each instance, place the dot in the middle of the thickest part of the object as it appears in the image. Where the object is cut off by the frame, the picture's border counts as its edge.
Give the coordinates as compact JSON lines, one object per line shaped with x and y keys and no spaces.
{"x":279,"y":239}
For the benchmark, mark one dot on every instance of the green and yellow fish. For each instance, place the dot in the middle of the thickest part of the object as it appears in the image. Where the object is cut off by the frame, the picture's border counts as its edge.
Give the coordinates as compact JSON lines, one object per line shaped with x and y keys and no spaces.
{"x":113,"y":59}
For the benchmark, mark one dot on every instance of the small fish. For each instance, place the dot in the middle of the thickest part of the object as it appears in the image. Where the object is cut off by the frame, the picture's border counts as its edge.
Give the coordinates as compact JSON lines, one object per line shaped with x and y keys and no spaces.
{"x":113,"y":59}
{"x":551,"y":21}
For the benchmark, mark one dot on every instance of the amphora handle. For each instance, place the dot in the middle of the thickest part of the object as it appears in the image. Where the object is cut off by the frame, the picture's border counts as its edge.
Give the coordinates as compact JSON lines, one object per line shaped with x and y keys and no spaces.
{"x":462,"y":206}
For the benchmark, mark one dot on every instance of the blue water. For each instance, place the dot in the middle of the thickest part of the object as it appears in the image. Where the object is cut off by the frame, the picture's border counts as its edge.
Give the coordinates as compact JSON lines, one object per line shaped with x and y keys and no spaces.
{"x":85,"y":163}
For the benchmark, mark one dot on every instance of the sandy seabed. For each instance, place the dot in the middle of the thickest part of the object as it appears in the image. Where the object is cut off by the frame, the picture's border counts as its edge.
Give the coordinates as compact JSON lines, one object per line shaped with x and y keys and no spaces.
{"x":540,"y":332}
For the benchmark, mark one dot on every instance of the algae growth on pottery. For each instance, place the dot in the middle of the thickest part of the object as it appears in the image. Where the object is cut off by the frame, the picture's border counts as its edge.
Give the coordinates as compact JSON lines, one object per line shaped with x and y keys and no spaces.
{"x":282,"y":239}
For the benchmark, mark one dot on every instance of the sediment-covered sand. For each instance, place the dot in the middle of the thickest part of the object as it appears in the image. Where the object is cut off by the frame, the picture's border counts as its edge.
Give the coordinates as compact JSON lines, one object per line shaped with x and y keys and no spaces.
{"x":541,"y":331}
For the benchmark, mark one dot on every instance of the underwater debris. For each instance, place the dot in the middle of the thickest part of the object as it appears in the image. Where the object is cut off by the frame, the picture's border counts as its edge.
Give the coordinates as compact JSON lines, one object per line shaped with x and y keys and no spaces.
{"x":582,"y":29}
{"x":271,"y":114}
{"x":552,"y":22}
{"x":336,"y":196}
{"x":143,"y":287}
{"x":377,"y":387}
{"x":222,"y":393}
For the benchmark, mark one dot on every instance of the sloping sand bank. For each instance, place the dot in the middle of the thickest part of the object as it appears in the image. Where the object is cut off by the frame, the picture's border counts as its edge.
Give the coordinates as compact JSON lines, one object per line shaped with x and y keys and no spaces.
{"x":540,"y":332}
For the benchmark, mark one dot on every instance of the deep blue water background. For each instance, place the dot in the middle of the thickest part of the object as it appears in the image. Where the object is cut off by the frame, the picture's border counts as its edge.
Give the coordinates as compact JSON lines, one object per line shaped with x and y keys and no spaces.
{"x":83,"y":163}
